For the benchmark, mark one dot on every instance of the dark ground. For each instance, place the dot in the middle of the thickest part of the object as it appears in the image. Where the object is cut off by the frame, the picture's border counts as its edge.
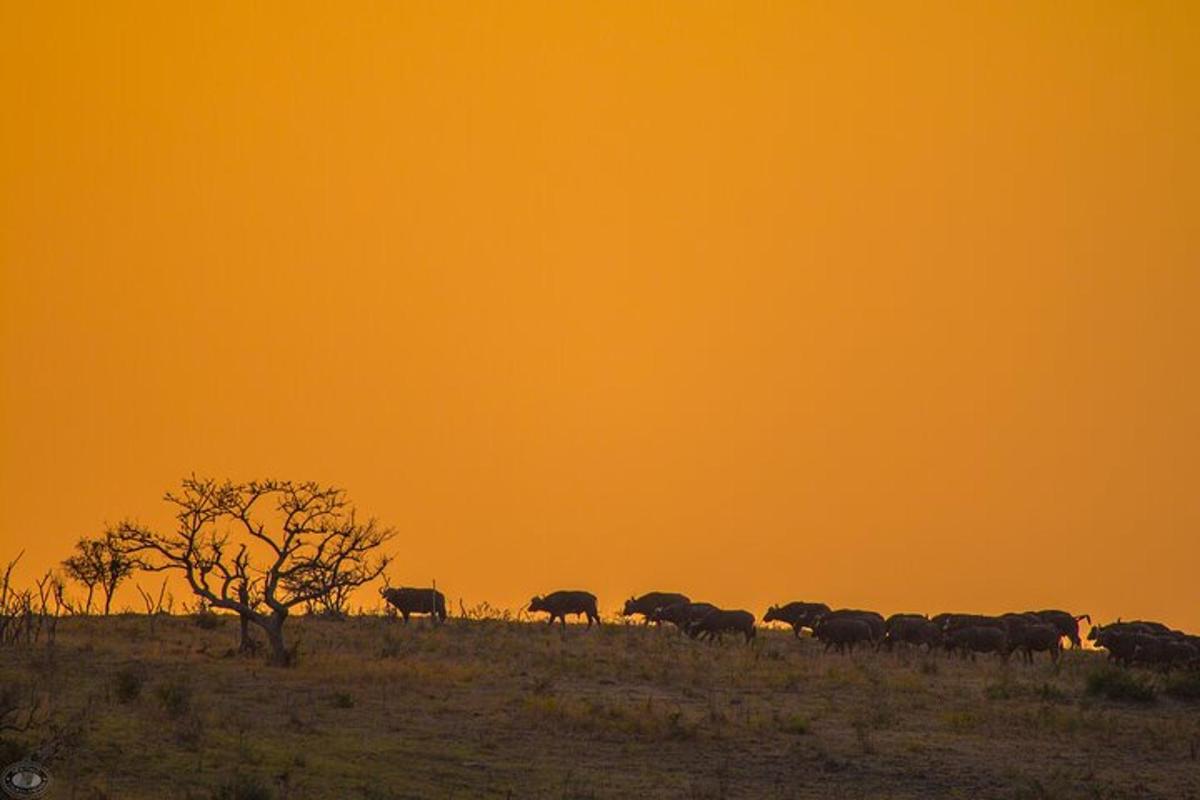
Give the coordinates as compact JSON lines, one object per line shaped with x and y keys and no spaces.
{"x":491,"y":708}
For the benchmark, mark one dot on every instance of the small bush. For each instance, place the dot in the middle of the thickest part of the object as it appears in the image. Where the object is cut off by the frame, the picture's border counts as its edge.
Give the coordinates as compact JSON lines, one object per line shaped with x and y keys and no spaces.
{"x":1115,"y":683}
{"x":127,"y":685}
{"x":342,"y":700}
{"x":176,"y":697}
{"x":1184,"y":685}
{"x":243,"y":787}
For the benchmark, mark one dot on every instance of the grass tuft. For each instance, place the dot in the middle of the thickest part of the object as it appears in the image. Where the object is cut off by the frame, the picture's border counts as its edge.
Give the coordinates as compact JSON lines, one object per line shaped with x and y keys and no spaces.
{"x":175,"y":697}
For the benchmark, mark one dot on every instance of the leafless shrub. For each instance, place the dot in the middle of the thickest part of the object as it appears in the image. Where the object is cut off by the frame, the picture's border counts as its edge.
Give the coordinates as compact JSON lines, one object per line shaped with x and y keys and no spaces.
{"x":154,"y":604}
{"x":27,"y":614}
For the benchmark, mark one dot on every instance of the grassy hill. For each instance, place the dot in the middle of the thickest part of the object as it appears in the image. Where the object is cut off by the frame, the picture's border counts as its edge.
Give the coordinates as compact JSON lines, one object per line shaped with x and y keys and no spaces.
{"x":503,"y":709}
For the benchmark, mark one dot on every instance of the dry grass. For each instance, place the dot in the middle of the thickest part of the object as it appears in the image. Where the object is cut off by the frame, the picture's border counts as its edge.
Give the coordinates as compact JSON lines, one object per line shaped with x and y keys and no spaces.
{"x":491,"y":708}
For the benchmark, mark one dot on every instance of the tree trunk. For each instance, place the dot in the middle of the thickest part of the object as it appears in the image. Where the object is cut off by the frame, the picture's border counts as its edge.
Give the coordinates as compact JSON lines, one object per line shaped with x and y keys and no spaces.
{"x":279,"y":655}
{"x":246,"y":645}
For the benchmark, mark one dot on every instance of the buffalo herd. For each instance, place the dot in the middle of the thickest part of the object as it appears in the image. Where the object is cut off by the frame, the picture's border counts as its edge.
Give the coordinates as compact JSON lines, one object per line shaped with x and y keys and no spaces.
{"x":1024,"y":634}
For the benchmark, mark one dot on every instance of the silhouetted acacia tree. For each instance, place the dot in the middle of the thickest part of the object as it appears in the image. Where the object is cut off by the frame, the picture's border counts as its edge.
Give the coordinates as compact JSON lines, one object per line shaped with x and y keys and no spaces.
{"x":261,"y":548}
{"x":99,"y":562}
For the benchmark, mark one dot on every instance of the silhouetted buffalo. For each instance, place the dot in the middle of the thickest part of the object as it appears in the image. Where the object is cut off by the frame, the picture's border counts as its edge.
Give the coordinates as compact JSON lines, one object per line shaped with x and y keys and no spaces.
{"x":875,"y":621}
{"x":911,"y":629}
{"x":559,"y":604}
{"x":1015,"y":621}
{"x":1177,"y":652}
{"x":1066,"y":623}
{"x":897,"y":618}
{"x":843,"y":632}
{"x":682,"y":615}
{"x":1174,"y":649}
{"x":1120,"y":638}
{"x":720,"y":621}
{"x":953,"y":622}
{"x":1040,"y":638}
{"x":1015,"y":624}
{"x":1140,"y":625}
{"x":974,"y":639}
{"x":1120,"y":641}
{"x":797,"y":614}
{"x":1098,"y":631}
{"x":408,"y":600}
{"x":648,"y":603}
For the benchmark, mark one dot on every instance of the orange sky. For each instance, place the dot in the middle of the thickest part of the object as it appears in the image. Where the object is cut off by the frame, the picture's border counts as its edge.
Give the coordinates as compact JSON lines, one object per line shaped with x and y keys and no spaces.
{"x":884,"y":304}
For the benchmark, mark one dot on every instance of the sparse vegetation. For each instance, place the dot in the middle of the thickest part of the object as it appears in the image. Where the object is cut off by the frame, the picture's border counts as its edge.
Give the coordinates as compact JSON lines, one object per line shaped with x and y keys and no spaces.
{"x":498,"y":709}
{"x":1120,"y":684}
{"x":175,"y":696}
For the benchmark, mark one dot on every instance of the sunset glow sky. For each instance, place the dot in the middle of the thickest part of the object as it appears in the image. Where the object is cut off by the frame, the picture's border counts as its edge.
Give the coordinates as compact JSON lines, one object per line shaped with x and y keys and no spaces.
{"x":892,"y":305}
